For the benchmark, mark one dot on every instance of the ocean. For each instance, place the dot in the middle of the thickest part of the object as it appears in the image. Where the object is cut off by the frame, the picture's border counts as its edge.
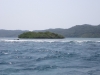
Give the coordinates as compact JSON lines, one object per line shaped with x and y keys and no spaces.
{"x":69,"y":56}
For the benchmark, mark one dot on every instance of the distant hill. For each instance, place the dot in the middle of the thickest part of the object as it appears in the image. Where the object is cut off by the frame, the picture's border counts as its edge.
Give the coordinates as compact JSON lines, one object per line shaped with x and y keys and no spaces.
{"x":83,"y":31}
{"x":86,"y":30}
{"x":40,"y":35}
{"x":10,"y":33}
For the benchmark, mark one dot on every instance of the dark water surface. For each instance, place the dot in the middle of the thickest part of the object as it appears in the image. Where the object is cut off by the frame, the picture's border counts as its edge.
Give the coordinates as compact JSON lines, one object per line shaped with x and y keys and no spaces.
{"x":75,"y":56}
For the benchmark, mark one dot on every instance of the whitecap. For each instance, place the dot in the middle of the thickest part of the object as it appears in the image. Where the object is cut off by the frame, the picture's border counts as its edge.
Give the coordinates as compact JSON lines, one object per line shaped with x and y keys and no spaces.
{"x":71,"y":40}
{"x":10,"y":63}
{"x":5,"y":53}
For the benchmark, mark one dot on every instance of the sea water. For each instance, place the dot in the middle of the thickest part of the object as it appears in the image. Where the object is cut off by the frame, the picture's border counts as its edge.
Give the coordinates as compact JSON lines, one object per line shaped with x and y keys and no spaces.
{"x":69,"y":56}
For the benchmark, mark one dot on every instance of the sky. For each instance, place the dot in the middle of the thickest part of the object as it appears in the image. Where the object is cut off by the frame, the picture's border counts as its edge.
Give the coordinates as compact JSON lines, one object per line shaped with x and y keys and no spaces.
{"x":46,"y":14}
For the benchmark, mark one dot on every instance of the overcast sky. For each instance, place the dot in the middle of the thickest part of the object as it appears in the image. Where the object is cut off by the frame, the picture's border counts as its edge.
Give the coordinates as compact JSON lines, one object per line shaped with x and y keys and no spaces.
{"x":45,"y":14}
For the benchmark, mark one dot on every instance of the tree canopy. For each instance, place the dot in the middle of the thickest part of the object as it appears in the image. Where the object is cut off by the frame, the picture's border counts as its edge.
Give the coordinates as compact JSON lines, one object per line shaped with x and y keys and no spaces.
{"x":46,"y":34}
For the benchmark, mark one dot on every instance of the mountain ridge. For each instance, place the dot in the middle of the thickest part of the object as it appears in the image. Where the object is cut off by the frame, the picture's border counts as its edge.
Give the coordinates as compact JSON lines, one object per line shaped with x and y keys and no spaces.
{"x":85,"y":31}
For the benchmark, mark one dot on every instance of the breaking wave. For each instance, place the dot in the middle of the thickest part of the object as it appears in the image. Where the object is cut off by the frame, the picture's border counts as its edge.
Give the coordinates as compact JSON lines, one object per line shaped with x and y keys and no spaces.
{"x":50,"y":40}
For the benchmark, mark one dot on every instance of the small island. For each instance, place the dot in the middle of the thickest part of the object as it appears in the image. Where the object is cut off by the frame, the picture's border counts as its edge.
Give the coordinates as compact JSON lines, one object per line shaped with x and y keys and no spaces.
{"x":40,"y":35}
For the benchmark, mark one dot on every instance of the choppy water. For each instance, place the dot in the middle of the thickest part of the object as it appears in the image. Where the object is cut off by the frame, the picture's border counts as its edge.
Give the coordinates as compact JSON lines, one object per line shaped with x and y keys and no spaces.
{"x":75,"y":56}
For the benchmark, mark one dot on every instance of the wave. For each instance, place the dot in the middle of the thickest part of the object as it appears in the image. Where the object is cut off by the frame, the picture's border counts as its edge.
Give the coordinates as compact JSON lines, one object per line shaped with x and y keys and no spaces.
{"x":49,"y":40}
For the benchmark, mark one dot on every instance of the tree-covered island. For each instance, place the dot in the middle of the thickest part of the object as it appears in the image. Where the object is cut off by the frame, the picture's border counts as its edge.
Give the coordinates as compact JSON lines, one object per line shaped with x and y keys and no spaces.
{"x":40,"y":35}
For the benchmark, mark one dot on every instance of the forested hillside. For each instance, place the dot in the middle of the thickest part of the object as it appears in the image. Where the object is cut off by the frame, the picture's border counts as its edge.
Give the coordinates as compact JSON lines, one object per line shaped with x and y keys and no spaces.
{"x":86,"y":30}
{"x":83,"y":31}
{"x":40,"y":35}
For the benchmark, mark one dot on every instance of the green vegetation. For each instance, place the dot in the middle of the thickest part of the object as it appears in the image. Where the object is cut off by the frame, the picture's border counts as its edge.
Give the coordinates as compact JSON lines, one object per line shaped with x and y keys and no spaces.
{"x":84,"y":31}
{"x":44,"y":35}
{"x":78,"y":31}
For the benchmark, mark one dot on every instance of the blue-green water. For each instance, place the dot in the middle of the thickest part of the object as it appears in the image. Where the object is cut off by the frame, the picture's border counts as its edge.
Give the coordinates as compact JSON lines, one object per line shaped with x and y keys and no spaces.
{"x":70,"y":56}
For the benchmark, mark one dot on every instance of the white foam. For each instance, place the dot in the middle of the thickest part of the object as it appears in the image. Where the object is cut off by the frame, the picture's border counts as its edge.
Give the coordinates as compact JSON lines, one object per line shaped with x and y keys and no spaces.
{"x":35,"y":40}
{"x":48,"y":40}
{"x":5,"y":53}
{"x":10,"y":63}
